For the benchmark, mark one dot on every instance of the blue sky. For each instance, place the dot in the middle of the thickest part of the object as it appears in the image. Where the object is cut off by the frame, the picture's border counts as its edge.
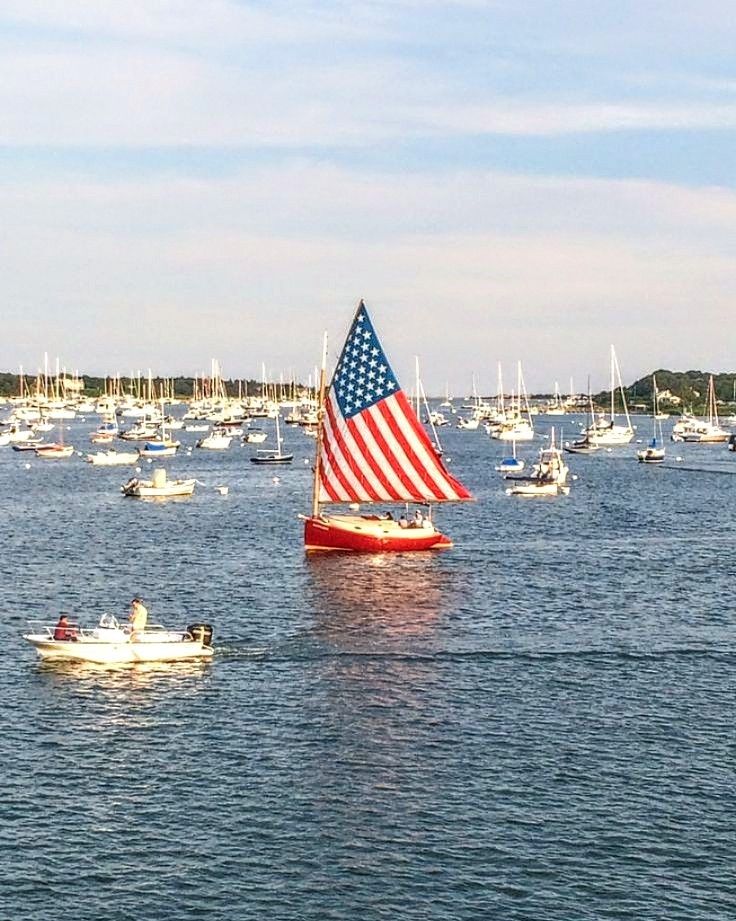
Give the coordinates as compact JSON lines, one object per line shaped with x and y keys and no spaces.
{"x":185,"y":179}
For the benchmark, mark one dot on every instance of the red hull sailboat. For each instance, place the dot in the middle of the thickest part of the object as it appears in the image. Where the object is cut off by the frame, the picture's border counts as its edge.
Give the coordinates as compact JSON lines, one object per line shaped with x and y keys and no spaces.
{"x":371,"y":448}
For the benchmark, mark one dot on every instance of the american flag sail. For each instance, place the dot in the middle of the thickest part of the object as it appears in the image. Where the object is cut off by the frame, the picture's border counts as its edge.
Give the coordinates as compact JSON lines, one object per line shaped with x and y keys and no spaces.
{"x":372,"y":447}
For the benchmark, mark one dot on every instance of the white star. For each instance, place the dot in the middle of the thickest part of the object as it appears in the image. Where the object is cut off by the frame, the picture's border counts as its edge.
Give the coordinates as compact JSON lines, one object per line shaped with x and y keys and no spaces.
{"x":390,"y":385}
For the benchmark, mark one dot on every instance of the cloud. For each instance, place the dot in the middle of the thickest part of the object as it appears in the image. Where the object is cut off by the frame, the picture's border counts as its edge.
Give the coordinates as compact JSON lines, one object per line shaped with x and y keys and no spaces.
{"x":463,"y":271}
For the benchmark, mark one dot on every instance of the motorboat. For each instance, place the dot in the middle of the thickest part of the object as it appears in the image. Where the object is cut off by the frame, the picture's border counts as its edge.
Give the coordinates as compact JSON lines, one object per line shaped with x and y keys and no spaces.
{"x":548,"y":476}
{"x":217,"y":440}
{"x":112,"y":458}
{"x":159,"y":487}
{"x":110,"y":643}
{"x":254,"y":437}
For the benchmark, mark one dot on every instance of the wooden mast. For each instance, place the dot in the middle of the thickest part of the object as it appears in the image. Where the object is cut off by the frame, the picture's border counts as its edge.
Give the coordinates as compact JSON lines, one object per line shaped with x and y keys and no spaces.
{"x":320,"y":424}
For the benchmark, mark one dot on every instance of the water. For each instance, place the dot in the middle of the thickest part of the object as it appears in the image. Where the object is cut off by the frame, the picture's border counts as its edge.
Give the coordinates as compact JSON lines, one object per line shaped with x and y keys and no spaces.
{"x":537,"y":724}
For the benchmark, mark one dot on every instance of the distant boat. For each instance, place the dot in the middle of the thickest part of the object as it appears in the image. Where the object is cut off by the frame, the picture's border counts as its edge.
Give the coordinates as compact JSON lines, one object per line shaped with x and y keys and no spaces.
{"x":112,"y":458}
{"x":159,"y":487}
{"x":271,"y":456}
{"x":218,"y":440}
{"x":607,"y":433}
{"x":511,"y":464}
{"x":372,"y":448}
{"x":254,"y":437}
{"x":654,"y":451}
{"x":548,"y":477}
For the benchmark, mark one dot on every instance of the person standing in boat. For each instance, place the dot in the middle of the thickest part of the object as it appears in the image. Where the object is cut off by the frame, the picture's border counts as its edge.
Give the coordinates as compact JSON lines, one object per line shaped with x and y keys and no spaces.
{"x":138,"y":617}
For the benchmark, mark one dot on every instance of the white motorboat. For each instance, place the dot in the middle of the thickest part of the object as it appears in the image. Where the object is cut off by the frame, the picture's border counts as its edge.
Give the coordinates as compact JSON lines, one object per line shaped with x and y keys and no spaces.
{"x":548,"y":477}
{"x":110,"y":643}
{"x":254,"y":437}
{"x":112,"y":458}
{"x":160,"y":487}
{"x":217,"y":440}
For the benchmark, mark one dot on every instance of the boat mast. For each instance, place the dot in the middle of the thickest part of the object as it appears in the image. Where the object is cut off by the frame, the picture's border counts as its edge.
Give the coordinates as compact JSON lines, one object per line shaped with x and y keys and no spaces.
{"x":320,"y":424}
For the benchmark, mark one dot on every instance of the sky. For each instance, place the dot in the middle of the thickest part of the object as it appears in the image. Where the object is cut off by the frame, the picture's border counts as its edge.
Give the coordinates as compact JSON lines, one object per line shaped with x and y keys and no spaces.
{"x":500,"y":181}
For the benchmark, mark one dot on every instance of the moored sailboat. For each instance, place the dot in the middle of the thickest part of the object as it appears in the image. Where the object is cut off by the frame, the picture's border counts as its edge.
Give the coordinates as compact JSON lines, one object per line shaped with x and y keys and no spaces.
{"x":372,"y":448}
{"x":654,"y":451}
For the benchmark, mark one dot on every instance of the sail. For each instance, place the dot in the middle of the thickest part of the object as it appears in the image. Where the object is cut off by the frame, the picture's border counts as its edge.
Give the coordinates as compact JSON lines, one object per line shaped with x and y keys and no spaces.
{"x":372,"y":446}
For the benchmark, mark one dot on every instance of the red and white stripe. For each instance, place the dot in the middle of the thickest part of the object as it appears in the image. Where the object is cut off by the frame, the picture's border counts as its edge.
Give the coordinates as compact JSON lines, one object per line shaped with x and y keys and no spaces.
{"x":381,"y":455}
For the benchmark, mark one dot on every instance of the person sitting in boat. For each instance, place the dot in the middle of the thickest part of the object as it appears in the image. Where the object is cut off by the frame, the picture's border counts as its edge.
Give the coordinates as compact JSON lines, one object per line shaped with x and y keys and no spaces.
{"x":418,"y":521}
{"x":138,"y":617}
{"x":65,"y":630}
{"x":403,"y":521}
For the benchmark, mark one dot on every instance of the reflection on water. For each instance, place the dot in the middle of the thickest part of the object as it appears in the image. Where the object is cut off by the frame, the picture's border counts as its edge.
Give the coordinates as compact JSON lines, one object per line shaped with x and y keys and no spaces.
{"x":378,"y":597}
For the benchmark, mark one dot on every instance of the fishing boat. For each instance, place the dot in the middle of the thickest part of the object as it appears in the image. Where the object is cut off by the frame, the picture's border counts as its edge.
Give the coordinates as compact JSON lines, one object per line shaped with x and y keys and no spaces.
{"x":548,"y":476}
{"x":271,"y":455}
{"x":112,"y":458}
{"x":110,"y":643}
{"x":371,"y":448}
{"x":159,"y":487}
{"x":654,"y":452}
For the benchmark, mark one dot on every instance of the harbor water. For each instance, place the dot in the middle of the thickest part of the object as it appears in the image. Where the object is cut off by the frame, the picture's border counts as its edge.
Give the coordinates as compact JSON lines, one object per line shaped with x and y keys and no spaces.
{"x":536,"y":724}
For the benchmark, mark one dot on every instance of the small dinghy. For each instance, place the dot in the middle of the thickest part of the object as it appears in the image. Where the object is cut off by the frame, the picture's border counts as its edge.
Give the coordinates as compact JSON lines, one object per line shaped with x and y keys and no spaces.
{"x":110,"y":643}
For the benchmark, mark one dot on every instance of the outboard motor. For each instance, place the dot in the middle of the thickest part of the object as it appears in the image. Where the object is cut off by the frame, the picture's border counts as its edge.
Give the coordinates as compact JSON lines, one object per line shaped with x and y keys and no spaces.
{"x":732,"y":443}
{"x":201,"y":632}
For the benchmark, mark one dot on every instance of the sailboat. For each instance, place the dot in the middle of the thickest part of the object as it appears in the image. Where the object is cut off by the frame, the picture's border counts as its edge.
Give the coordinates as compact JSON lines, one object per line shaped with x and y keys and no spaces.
{"x":516,"y":427}
{"x":654,"y":451}
{"x":55,"y":450}
{"x":512,"y":464}
{"x":372,"y":448}
{"x":605,"y":432}
{"x":707,"y":431}
{"x":584,"y":445}
{"x":268,"y":455}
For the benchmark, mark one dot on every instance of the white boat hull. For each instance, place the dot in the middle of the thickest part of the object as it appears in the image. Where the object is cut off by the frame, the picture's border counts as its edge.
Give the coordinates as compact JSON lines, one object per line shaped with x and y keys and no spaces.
{"x":111,"y":646}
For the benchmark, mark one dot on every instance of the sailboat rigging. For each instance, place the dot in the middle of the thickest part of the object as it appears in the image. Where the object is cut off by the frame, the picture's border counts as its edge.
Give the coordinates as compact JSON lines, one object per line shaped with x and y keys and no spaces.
{"x":371,"y":448}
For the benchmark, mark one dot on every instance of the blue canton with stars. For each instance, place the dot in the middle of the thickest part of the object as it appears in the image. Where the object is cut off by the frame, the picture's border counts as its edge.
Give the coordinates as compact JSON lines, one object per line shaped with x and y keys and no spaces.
{"x":363,"y":375}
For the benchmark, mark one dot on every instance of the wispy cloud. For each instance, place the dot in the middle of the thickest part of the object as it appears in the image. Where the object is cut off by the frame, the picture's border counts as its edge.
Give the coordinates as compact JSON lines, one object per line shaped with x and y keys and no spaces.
{"x":479,"y":267}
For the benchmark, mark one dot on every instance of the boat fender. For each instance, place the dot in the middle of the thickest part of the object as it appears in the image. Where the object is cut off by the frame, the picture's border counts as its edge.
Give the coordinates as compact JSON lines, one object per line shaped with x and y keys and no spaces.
{"x":201,"y":633}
